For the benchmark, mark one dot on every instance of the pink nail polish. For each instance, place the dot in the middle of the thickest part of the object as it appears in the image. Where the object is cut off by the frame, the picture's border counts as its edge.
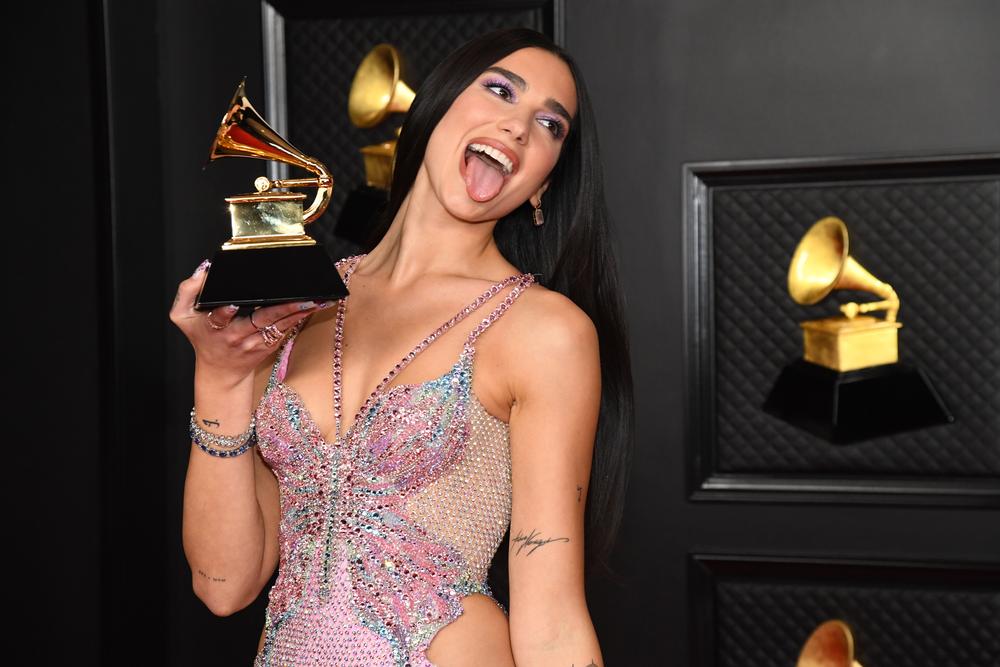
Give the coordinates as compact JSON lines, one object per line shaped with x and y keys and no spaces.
{"x":201,"y":267}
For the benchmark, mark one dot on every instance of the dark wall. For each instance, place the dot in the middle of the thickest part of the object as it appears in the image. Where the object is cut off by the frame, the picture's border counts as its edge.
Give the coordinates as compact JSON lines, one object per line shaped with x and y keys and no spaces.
{"x":57,"y":340}
{"x":708,"y":80}
{"x":116,"y":100}
{"x":203,"y":51}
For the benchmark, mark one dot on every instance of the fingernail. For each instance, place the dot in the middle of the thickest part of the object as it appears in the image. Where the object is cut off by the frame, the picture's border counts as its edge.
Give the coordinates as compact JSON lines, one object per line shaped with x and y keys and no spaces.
{"x":323,"y":304}
{"x":201,"y":267}
{"x":306,"y":305}
{"x":231,"y":308}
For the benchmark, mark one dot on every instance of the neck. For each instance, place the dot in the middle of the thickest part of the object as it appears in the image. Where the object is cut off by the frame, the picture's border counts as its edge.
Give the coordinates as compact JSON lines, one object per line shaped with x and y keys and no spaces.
{"x":425,"y":240}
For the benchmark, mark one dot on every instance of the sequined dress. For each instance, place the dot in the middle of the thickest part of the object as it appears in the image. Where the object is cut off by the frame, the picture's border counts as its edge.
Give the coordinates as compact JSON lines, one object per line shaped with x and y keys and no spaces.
{"x":384,"y":530}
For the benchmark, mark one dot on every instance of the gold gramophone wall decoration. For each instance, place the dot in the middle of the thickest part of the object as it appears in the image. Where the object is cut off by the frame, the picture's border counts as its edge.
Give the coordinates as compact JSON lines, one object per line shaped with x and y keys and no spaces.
{"x":269,"y":259}
{"x":377,"y":91}
{"x":821,"y":264}
{"x":849,"y":384}
{"x":831,"y":644}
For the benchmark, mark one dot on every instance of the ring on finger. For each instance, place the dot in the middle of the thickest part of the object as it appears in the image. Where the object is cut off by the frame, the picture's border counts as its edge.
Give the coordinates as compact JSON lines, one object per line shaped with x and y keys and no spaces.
{"x":271,"y":334}
{"x":252,"y":322}
{"x":212,"y":324}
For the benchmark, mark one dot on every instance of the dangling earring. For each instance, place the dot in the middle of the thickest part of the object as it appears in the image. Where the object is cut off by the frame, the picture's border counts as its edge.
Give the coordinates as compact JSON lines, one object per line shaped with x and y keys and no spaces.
{"x":539,"y":219}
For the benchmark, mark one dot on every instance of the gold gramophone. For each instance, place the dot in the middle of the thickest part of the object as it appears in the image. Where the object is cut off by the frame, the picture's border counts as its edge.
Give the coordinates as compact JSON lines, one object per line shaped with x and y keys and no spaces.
{"x":849,"y":385}
{"x":377,"y":91}
{"x":821,"y":264}
{"x":269,"y":259}
{"x":831,"y":644}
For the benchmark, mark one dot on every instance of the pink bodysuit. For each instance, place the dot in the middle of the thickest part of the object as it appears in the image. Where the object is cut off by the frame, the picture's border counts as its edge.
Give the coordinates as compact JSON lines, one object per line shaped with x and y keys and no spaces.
{"x":384,"y":530}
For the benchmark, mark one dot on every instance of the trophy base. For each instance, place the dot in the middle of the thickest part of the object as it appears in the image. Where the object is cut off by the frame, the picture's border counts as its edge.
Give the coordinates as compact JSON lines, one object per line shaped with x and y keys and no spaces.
{"x":851,"y":406}
{"x":268,"y":276}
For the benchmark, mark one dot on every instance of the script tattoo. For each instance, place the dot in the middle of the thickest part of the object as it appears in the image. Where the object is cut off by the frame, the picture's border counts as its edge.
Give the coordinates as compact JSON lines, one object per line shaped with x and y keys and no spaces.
{"x":210,"y":422}
{"x":525,"y":540}
{"x":591,"y":664}
{"x":579,"y":490}
{"x":219,"y":579}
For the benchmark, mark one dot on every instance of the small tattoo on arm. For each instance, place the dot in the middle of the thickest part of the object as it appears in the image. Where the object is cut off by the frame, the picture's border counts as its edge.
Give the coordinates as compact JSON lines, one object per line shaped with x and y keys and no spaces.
{"x":590,"y":664}
{"x":210,"y":422}
{"x":579,"y":490}
{"x":533,"y":539}
{"x":219,"y":579}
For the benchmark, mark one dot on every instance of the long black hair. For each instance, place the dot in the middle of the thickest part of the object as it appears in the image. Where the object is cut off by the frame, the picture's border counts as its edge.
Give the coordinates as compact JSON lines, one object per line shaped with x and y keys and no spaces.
{"x":572,"y":252}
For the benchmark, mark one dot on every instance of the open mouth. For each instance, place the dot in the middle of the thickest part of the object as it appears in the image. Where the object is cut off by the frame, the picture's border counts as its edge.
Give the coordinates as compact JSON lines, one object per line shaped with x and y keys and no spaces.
{"x":491,"y":156}
{"x":486,"y":170}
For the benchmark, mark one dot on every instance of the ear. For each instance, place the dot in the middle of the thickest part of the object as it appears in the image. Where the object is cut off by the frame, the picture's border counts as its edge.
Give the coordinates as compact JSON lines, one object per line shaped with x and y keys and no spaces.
{"x":536,"y":199}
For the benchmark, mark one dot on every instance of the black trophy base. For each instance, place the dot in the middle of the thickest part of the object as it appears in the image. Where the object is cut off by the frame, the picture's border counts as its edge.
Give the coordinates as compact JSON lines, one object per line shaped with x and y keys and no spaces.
{"x":848,"y":407}
{"x":267,"y":276}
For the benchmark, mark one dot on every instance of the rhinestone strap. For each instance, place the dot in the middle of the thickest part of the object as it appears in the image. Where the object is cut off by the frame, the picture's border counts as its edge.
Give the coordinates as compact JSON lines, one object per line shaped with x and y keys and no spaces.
{"x":525,"y":281}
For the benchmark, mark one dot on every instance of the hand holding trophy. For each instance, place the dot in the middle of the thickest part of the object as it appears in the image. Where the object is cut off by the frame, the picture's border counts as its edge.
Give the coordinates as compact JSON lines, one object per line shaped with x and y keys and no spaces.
{"x":269,"y":259}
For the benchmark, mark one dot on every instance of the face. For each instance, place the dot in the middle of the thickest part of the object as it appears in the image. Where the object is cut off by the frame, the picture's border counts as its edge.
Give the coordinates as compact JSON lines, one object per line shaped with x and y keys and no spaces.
{"x":496,"y":145}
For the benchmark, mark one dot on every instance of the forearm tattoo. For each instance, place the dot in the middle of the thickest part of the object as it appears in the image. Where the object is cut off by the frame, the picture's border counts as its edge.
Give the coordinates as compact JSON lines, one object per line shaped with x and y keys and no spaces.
{"x":579,"y":490}
{"x":210,"y":422}
{"x":533,"y":539}
{"x":218,"y":579}
{"x":589,"y":664}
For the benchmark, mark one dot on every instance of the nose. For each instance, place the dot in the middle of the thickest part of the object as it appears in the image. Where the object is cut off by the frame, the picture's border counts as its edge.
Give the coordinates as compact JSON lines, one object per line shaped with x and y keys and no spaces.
{"x":515,"y":126}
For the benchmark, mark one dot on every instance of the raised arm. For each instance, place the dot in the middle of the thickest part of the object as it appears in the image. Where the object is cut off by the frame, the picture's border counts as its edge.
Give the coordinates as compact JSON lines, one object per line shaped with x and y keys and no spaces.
{"x":230,"y":513}
{"x":553,"y":423}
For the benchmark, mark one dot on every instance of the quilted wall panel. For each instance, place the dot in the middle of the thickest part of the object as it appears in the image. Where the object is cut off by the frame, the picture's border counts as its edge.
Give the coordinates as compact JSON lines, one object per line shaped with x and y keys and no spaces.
{"x":762,"y":613}
{"x":935,"y":240}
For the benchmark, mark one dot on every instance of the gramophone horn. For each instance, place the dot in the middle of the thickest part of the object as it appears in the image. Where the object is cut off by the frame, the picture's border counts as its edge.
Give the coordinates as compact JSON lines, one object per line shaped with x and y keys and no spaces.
{"x":377,"y":89}
{"x":244,"y":133}
{"x":830,"y":645}
{"x":822,"y":263}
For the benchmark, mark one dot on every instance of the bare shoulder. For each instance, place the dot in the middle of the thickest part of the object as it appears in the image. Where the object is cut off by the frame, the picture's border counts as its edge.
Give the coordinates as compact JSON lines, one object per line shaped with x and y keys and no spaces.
{"x":552,"y":316}
{"x":551,"y":338}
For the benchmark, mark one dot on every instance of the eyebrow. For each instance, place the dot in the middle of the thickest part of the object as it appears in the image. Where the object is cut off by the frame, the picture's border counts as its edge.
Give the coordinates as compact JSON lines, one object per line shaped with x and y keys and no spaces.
{"x":551,"y":103}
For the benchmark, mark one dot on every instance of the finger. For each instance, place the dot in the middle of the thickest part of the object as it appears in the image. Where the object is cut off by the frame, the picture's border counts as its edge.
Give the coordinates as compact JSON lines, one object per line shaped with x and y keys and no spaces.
{"x":286,"y":323}
{"x":218,"y":319}
{"x":271,"y":314}
{"x":258,"y":340}
{"x":188,"y":290}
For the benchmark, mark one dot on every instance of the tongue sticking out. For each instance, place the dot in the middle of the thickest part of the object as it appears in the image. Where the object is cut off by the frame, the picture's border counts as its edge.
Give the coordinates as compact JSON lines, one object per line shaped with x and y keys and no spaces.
{"x":482,"y":179}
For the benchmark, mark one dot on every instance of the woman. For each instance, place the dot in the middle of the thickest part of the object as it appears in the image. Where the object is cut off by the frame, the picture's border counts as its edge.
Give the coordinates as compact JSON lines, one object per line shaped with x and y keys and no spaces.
{"x":393,"y":503}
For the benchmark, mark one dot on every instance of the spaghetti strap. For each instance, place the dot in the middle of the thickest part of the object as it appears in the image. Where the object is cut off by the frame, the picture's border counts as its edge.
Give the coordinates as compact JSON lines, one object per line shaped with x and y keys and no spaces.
{"x":525,"y":282}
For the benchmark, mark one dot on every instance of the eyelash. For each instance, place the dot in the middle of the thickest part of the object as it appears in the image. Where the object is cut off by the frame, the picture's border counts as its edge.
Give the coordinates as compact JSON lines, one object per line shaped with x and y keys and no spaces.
{"x":556,"y":129}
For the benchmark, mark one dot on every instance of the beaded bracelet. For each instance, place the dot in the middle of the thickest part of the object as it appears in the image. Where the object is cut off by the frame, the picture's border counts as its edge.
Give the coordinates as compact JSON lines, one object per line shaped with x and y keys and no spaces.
{"x":223,"y":445}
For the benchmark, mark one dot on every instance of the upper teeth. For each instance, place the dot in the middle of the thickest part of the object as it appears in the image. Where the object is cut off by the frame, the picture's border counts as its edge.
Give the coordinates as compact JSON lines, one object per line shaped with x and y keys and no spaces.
{"x":497,"y":155}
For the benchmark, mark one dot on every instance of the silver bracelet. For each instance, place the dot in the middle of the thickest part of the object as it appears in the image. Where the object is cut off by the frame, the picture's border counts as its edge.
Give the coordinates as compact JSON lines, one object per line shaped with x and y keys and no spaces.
{"x":223,"y":446}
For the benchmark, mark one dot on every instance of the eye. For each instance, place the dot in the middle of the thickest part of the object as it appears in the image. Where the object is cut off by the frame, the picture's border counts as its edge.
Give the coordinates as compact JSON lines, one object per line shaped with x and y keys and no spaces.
{"x":552,"y":125}
{"x":500,"y":88}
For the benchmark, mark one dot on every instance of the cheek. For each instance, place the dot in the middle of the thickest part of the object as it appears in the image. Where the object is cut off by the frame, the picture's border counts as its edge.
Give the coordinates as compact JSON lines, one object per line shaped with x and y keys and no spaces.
{"x":438,"y":154}
{"x":543,"y":162}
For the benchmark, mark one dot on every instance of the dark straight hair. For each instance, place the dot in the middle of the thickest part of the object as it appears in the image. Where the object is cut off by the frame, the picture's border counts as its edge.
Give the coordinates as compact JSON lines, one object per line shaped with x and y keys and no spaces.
{"x":572,"y":253}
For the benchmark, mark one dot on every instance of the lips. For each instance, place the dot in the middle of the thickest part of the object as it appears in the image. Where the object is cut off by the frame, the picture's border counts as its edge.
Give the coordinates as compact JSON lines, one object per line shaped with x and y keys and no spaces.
{"x":499,"y":145}
{"x":511,"y":155}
